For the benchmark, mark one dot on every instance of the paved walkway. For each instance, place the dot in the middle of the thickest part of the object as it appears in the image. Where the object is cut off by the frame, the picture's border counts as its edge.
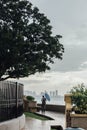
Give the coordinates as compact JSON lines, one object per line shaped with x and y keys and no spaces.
{"x":34,"y":124}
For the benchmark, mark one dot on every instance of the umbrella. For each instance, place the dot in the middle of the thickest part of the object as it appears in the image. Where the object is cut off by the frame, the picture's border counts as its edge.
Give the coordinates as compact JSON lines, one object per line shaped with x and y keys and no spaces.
{"x":47,"y":96}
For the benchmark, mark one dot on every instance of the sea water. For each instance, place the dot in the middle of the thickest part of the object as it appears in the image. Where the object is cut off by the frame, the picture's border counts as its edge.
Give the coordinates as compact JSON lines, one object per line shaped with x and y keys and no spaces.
{"x":53,"y":100}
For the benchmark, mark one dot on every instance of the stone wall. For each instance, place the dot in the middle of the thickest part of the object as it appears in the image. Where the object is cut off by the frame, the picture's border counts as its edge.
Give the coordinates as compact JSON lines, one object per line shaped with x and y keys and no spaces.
{"x":56,"y":108}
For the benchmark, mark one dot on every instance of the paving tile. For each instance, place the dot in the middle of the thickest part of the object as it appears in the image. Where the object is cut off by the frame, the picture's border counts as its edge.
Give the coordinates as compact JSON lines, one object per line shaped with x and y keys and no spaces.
{"x":35,"y":124}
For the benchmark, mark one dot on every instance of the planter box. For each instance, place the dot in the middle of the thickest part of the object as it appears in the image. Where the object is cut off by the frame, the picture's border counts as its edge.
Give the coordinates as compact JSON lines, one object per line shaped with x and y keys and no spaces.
{"x":32,"y":106}
{"x":79,"y":120}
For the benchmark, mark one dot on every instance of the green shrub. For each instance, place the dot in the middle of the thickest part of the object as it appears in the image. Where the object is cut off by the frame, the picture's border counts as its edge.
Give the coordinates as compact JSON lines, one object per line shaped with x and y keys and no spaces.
{"x":79,"y":98}
{"x":30,"y":98}
{"x":33,"y":115}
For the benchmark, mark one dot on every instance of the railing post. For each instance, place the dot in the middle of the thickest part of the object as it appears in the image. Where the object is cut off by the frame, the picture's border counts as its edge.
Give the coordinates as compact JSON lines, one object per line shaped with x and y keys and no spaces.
{"x":68,"y":109}
{"x":16,"y":100}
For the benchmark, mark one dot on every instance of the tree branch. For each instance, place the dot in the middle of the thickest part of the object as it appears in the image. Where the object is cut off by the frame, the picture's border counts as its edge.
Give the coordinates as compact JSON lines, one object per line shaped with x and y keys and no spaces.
{"x":2,"y":79}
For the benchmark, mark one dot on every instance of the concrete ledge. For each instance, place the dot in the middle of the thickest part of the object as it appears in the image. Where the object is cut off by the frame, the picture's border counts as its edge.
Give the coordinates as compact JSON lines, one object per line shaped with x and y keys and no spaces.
{"x":55,"y":108}
{"x":78,"y":115}
{"x":14,"y":124}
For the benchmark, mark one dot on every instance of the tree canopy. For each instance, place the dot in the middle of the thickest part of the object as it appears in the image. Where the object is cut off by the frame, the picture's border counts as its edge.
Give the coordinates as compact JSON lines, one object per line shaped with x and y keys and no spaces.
{"x":27,"y":45}
{"x":79,"y":98}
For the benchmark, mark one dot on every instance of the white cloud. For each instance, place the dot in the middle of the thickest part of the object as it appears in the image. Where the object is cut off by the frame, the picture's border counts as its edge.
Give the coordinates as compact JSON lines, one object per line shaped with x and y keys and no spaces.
{"x":62,"y":82}
{"x":83,"y":66}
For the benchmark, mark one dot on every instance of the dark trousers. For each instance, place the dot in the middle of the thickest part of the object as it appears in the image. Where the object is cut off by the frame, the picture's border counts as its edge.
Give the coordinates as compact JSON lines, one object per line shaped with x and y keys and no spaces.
{"x":43,"y":107}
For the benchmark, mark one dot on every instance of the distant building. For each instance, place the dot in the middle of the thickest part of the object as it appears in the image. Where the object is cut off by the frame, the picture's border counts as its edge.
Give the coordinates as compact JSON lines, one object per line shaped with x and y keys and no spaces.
{"x":56,"y":93}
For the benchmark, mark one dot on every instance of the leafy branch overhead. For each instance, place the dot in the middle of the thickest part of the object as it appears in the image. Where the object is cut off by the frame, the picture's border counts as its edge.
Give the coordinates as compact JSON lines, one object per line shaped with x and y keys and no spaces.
{"x":27,"y":45}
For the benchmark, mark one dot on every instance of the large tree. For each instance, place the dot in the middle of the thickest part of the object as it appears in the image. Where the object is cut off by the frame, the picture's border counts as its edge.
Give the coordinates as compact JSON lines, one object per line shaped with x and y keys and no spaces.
{"x":27,"y":45}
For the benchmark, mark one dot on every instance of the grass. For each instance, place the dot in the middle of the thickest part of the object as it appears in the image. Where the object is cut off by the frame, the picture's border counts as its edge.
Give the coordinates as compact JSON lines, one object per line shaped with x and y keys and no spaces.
{"x":33,"y":115}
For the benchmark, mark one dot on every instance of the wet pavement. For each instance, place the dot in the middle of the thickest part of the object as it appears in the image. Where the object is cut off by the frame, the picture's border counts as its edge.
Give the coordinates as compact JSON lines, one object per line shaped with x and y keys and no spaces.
{"x":35,"y":124}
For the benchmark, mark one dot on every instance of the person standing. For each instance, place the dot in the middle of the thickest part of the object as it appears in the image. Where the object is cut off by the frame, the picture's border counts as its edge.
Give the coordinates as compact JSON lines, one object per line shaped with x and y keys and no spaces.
{"x":43,"y":105}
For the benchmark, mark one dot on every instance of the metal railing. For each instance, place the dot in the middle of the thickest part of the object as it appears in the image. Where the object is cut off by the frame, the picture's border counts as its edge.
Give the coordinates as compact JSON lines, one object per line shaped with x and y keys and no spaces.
{"x":11,"y":100}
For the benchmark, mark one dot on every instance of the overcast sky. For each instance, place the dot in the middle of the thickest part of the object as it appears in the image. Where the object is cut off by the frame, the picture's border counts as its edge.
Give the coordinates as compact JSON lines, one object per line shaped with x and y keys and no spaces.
{"x":69,"y":19}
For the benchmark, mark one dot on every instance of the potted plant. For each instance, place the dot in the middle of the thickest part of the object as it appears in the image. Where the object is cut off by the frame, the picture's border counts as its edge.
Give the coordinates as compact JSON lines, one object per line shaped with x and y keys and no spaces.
{"x":31,"y":102}
{"x":79,"y":99}
{"x":30,"y":98}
